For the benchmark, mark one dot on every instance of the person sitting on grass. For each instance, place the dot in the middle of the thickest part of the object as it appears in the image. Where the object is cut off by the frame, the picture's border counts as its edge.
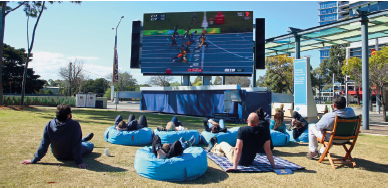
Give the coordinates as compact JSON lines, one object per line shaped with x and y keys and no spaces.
{"x":64,"y":136}
{"x":249,"y":140}
{"x":298,"y":125}
{"x":132,"y":124}
{"x":173,"y":125}
{"x":169,"y":150}
{"x":277,"y":123}
{"x":212,"y":126}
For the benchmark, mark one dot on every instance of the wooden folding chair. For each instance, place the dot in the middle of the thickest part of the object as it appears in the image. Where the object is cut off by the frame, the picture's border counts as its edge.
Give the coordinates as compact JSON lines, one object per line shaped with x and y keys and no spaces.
{"x":344,"y":129}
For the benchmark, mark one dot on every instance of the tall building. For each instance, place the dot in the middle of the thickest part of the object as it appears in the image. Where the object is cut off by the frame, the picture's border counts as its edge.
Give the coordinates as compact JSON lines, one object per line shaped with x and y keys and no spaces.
{"x":332,"y":11}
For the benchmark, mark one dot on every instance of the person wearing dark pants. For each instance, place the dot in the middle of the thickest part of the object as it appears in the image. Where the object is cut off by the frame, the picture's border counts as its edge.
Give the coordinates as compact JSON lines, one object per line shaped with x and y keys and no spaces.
{"x":299,"y":124}
{"x":132,"y":124}
{"x":64,"y":136}
{"x":214,"y":127}
{"x":169,"y":150}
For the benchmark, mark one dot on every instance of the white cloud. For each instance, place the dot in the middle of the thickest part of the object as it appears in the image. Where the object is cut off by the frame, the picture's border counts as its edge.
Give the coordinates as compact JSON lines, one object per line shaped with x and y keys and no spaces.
{"x":83,"y":58}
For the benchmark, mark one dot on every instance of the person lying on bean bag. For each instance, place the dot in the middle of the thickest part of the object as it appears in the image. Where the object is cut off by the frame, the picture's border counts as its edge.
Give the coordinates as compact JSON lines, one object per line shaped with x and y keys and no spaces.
{"x":212,"y":126}
{"x":173,"y":125}
{"x":132,"y":124}
{"x":169,"y":150}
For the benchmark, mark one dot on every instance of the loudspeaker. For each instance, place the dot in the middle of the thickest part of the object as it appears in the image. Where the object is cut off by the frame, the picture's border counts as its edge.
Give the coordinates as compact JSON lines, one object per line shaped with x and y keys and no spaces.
{"x":136,"y":45}
{"x":259,"y":43}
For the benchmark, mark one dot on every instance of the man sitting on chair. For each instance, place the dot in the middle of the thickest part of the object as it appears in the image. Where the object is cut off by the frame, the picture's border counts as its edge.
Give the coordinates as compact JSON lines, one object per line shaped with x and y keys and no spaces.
{"x":249,"y":140}
{"x":327,"y":123}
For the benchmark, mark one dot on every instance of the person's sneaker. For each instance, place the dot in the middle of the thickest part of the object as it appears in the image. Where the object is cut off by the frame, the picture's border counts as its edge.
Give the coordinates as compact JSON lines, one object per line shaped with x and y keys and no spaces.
{"x":312,"y":155}
{"x":182,"y":140}
{"x":191,"y":141}
{"x":212,"y":143}
{"x":160,"y":128}
{"x":88,"y":137}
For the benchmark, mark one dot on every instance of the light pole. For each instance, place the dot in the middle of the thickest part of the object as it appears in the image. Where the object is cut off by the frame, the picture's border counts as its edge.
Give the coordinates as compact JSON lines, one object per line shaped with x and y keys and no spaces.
{"x":115,"y":63}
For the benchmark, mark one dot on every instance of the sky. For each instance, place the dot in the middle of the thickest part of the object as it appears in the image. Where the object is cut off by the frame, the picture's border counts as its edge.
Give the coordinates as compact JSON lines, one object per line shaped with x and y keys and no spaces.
{"x":83,"y":31}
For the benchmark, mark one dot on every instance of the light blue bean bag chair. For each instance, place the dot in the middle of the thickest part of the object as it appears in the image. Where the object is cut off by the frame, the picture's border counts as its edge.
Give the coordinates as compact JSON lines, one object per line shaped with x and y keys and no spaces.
{"x":191,"y":165}
{"x":302,"y":138}
{"x":172,"y":136}
{"x":229,"y":136}
{"x":142,"y":136}
{"x":278,"y":138}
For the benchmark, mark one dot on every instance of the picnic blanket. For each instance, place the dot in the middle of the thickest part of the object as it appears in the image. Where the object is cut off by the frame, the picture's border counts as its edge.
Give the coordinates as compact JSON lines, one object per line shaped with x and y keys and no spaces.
{"x":260,"y":164}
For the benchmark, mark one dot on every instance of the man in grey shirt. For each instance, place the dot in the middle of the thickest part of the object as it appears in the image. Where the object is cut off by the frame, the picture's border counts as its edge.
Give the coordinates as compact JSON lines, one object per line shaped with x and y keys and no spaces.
{"x":327,"y":123}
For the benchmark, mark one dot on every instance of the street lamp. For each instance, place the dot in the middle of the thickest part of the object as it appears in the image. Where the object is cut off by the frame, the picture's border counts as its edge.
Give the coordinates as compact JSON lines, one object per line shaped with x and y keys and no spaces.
{"x":115,"y":62}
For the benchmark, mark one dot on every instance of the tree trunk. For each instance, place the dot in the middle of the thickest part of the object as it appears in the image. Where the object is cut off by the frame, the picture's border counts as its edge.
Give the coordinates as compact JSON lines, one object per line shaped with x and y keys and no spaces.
{"x":384,"y":102}
{"x":319,"y":96}
{"x":28,"y":56}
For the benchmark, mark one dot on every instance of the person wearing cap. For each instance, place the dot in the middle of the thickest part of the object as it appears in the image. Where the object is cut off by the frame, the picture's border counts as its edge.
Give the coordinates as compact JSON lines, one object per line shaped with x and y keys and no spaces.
{"x":65,"y":139}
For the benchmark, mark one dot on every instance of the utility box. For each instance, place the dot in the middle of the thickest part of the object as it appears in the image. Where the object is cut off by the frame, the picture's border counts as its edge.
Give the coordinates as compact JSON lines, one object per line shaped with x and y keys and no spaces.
{"x":81,"y":100}
{"x":91,"y":98}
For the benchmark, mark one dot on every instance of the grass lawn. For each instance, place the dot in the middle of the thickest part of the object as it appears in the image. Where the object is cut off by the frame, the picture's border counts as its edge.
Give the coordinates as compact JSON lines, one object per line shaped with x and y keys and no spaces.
{"x":22,"y":133}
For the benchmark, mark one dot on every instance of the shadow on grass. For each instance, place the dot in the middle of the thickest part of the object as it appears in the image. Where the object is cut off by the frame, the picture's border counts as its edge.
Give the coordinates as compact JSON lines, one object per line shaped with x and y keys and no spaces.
{"x":212,"y":175}
{"x":361,"y":164}
{"x":93,"y":165}
{"x":289,"y":154}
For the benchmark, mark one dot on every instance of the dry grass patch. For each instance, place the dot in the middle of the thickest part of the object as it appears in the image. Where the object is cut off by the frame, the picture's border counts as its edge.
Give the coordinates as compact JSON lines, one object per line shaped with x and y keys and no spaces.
{"x":22,"y":133}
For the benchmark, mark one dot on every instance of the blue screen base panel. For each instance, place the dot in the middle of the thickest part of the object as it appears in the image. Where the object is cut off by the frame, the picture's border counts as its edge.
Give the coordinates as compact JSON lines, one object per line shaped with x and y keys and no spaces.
{"x":204,"y":103}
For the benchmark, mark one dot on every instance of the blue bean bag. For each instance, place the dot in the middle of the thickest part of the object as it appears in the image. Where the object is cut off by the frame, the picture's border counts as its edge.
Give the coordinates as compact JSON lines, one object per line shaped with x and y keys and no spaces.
{"x":142,"y":136}
{"x":278,"y":138}
{"x":302,"y":138}
{"x":172,"y":136}
{"x":191,"y":165}
{"x":229,"y":136}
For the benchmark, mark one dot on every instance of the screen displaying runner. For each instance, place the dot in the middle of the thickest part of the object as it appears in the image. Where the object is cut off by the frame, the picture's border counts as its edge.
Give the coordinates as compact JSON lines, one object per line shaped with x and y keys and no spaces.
{"x":198,"y":43}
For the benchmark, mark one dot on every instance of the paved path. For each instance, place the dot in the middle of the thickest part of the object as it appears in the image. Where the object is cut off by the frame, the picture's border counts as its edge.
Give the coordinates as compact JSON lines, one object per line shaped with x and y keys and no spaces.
{"x":376,"y":124}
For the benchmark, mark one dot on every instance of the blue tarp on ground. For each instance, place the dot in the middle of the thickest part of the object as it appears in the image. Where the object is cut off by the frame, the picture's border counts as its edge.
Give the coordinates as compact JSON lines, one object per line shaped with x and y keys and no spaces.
{"x":204,"y":102}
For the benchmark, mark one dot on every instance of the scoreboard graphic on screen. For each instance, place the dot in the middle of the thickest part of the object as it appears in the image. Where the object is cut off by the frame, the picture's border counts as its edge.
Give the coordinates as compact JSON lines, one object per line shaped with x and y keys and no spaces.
{"x":198,"y":43}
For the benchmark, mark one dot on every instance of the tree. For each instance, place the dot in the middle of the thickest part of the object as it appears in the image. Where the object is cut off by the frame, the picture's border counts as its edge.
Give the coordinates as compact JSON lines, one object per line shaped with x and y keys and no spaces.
{"x":319,"y":79}
{"x":261,"y":82}
{"x":12,"y":67}
{"x":32,"y":9}
{"x":97,"y":86}
{"x":55,"y":83}
{"x":163,"y":81}
{"x":218,"y":81}
{"x":242,"y":81}
{"x":337,"y":56}
{"x":125,"y":82}
{"x":176,"y":83}
{"x":199,"y":83}
{"x":73,"y":75}
{"x":353,"y":68}
{"x":141,"y":85}
{"x":279,"y":74}
{"x":198,"y":79}
{"x":378,"y":74}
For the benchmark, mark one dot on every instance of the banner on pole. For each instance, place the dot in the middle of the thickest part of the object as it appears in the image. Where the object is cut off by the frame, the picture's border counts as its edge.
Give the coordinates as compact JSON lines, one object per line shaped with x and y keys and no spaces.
{"x":115,"y":74}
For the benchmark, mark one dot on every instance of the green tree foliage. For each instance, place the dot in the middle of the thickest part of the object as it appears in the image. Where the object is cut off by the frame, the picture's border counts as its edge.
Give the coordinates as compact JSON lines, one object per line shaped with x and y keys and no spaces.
{"x":337,"y":57}
{"x":125,"y":82}
{"x":198,"y":79}
{"x":97,"y":86}
{"x":278,"y":75}
{"x":13,"y":67}
{"x":353,"y":68}
{"x":218,"y":81}
{"x":242,"y":81}
{"x":176,"y":83}
{"x":199,"y":83}
{"x":163,"y":81}
{"x":318,"y":78}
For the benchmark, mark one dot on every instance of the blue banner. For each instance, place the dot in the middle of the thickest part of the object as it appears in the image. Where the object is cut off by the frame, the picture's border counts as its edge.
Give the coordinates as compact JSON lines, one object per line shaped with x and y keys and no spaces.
{"x":115,"y":65}
{"x":300,"y":82}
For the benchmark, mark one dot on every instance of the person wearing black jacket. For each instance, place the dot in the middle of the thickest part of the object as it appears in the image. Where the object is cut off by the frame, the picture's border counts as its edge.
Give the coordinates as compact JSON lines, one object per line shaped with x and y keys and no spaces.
{"x":212,"y":126}
{"x":264,"y":123}
{"x":169,"y":150}
{"x":299,"y":124}
{"x":65,"y":137}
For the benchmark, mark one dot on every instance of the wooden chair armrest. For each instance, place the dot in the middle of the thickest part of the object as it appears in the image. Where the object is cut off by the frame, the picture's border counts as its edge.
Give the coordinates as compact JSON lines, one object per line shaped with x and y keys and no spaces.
{"x":324,"y":135}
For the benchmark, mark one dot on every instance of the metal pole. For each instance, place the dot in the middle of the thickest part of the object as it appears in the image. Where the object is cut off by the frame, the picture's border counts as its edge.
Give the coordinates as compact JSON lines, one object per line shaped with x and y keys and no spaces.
{"x":377,"y":88}
{"x":2,"y":18}
{"x":346,"y":91}
{"x":69,"y":75}
{"x":223,"y":82}
{"x":297,"y":52}
{"x":115,"y":46}
{"x":365,"y":73}
{"x":254,"y":76}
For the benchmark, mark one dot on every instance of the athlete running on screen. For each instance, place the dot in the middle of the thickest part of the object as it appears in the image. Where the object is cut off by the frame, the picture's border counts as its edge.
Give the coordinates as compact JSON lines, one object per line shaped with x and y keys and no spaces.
{"x":191,"y":38}
{"x":173,"y":42}
{"x":175,"y":30}
{"x":181,"y":56}
{"x":202,"y":40}
{"x":186,"y":34}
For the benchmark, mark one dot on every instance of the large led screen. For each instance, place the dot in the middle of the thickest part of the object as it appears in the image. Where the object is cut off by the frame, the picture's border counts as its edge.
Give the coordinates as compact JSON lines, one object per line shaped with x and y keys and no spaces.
{"x":198,"y":43}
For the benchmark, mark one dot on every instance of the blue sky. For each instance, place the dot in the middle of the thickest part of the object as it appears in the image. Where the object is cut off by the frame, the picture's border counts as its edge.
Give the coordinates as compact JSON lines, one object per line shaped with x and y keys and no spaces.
{"x":67,"y":31}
